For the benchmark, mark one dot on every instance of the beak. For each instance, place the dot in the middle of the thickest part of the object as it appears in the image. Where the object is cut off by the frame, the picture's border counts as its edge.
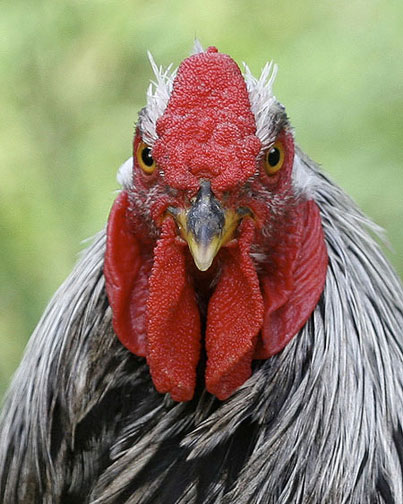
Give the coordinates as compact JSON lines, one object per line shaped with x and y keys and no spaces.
{"x":206,"y":226}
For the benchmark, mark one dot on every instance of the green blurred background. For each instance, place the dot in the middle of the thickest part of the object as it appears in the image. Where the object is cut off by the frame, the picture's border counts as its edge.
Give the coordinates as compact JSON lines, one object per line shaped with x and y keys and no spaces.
{"x":74,"y":75}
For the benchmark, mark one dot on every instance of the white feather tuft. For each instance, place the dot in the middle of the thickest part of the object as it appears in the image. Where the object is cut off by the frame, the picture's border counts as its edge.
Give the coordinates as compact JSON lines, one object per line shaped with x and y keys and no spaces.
{"x":263,"y":102}
{"x":197,"y":47}
{"x":304,"y":180}
{"x":158,"y":94}
{"x":124,"y":175}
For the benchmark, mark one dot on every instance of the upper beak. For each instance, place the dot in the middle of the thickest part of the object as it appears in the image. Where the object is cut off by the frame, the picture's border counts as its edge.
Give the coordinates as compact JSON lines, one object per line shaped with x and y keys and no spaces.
{"x":206,"y":226}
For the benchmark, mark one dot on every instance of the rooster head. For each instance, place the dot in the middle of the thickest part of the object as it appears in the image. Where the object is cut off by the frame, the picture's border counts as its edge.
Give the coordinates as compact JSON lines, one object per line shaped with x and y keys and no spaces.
{"x":210,"y":247}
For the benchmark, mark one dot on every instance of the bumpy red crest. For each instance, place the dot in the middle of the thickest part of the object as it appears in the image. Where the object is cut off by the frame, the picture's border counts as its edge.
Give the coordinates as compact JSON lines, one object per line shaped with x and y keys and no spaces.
{"x":207,"y":129}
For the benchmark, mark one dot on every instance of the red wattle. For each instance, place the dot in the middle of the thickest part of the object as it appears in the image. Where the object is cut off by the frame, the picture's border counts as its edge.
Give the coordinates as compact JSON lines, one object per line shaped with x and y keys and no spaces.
{"x":126,"y":270}
{"x":235,"y":315}
{"x":155,"y":313}
{"x":293,"y":281}
{"x":173,"y":321}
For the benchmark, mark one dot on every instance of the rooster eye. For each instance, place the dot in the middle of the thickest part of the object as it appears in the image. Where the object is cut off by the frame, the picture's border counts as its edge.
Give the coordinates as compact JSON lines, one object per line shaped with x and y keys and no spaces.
{"x":274,"y":158}
{"x":145,"y":159}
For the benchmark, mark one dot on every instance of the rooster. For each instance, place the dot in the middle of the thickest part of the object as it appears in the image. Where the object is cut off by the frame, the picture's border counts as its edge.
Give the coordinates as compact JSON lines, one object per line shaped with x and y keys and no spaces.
{"x":233,"y":336}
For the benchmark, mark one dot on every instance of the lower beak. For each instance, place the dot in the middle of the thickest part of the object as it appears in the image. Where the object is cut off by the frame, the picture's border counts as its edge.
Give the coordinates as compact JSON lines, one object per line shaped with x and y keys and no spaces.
{"x":206,"y":226}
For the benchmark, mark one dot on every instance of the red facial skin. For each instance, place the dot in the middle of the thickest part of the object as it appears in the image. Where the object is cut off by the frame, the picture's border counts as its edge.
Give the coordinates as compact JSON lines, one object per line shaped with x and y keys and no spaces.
{"x":157,"y":295}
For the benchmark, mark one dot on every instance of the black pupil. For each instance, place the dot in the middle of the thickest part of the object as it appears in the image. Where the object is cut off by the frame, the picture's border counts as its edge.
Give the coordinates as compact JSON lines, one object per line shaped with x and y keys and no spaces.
{"x":274,"y":156}
{"x":146,"y":156}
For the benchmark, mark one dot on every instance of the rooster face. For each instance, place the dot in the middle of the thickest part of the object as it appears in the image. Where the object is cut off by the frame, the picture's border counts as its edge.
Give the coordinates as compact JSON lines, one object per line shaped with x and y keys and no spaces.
{"x":209,"y":244}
